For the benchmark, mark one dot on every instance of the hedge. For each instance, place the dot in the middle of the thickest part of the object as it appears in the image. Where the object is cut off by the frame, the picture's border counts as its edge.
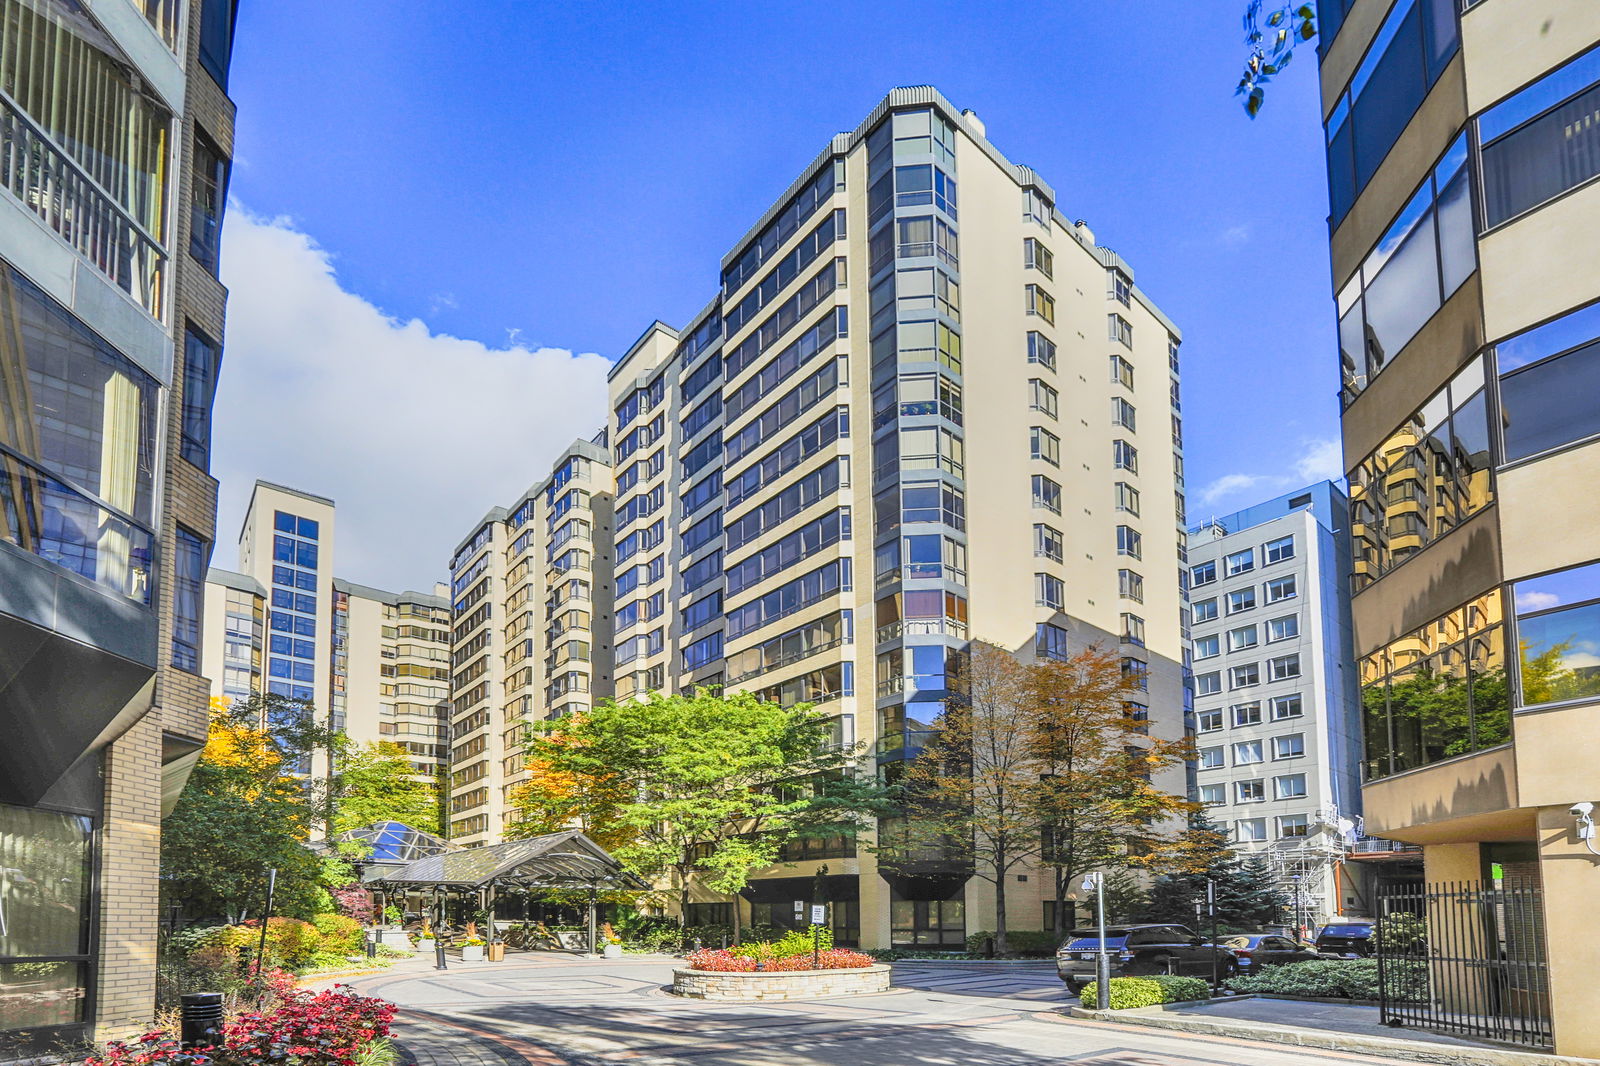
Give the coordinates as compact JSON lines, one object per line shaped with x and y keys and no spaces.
{"x":1019,"y":941}
{"x":1130,"y":992}
{"x":1336,"y":979}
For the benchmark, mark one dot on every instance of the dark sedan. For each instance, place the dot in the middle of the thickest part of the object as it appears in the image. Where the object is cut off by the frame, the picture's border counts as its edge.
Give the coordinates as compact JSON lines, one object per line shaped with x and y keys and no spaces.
{"x":1140,"y":950}
{"x":1349,"y":939}
{"x":1255,"y":950}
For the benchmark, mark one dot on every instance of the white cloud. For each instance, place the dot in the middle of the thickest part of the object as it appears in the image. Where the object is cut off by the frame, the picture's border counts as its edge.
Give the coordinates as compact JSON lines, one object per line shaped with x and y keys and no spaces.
{"x":413,"y":434}
{"x":1319,"y":460}
{"x":1537,"y":601}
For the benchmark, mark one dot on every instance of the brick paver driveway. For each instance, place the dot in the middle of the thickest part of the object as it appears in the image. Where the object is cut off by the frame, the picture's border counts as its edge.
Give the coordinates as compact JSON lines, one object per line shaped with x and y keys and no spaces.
{"x":547,"y":1010}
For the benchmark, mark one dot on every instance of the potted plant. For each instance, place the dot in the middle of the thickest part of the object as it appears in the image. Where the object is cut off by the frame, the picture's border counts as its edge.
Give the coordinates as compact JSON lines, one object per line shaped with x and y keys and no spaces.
{"x":425,"y":941}
{"x":472,"y":949}
{"x":612,"y":942}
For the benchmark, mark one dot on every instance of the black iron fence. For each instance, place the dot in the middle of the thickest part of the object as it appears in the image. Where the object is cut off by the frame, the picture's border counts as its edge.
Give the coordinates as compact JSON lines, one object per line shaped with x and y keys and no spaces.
{"x":1466,"y":959}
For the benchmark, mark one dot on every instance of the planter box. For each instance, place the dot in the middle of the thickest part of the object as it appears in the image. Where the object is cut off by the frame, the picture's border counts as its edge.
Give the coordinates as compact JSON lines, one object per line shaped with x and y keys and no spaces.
{"x":612,"y":951}
{"x":425,"y":947}
{"x":395,"y":938}
{"x":472,"y":953}
{"x":782,"y":985}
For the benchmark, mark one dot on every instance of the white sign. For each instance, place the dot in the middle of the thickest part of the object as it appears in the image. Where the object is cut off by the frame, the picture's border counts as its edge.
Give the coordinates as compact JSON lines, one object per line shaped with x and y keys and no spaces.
{"x":799,"y":908}
{"x":819,"y":914}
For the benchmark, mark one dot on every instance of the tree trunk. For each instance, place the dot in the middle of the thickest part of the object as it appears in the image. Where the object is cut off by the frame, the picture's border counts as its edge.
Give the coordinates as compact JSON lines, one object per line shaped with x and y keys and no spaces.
{"x":1063,"y":879}
{"x":734,"y":896}
{"x":1000,"y":945}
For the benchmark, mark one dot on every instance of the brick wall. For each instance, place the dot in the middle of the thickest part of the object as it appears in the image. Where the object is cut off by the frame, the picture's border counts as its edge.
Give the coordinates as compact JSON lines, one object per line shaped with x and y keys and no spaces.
{"x":130,"y":862}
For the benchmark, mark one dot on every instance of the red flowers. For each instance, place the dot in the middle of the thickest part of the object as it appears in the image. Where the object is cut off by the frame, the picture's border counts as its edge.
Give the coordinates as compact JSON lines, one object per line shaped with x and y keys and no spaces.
{"x":720,"y":961}
{"x":329,"y":1028}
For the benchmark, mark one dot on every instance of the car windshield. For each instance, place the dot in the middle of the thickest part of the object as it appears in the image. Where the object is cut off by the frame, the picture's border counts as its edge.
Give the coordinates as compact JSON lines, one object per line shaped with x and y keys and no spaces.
{"x":1347,"y":930}
{"x":1090,"y":938}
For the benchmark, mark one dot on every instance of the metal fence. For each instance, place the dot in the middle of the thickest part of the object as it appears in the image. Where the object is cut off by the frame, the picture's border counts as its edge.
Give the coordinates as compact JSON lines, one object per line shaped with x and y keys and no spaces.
{"x":1466,"y":959}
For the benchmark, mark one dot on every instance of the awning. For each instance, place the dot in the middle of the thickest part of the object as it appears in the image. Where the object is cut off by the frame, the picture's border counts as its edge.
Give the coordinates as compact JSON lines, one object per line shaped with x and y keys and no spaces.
{"x":556,"y":860}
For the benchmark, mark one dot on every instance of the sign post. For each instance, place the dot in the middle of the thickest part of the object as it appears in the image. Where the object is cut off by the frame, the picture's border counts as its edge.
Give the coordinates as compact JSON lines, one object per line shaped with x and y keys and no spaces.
{"x":819,"y":918}
{"x":1102,"y":963}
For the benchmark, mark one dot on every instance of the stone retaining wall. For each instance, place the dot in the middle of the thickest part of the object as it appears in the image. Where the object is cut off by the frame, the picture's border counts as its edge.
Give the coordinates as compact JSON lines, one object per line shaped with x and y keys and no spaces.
{"x":799,"y":984}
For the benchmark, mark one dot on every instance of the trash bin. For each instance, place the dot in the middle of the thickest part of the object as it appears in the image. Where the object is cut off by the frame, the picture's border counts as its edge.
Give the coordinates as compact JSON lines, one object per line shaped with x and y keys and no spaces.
{"x":497,"y":951}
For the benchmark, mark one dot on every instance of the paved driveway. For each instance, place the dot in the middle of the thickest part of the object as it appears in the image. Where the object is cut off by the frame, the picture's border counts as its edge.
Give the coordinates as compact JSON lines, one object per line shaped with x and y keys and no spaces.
{"x":539,"y":1010}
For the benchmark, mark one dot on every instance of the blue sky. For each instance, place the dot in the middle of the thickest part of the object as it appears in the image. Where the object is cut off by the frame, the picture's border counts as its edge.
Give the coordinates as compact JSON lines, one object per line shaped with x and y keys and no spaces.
{"x":553,"y":177}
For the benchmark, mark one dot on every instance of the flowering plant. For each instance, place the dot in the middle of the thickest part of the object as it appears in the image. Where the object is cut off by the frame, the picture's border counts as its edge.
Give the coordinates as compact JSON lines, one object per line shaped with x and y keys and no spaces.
{"x":472,"y":942}
{"x":721,"y":961}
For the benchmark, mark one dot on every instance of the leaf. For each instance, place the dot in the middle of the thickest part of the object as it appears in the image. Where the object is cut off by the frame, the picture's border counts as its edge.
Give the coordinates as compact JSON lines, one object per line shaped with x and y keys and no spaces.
{"x":1306,"y":11}
{"x":1252,"y":104}
{"x":1274,"y":18}
{"x":1283,"y":60}
{"x":1308,"y":30}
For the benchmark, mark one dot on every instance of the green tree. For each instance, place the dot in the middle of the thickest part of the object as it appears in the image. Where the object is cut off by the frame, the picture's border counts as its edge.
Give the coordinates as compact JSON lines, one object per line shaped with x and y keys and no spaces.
{"x":704,"y":784}
{"x":1247,"y":895}
{"x":376,"y":782}
{"x":1271,"y":39}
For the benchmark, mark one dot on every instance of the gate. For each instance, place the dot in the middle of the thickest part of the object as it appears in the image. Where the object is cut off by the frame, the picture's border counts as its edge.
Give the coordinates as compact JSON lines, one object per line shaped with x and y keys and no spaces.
{"x":1465,"y":959}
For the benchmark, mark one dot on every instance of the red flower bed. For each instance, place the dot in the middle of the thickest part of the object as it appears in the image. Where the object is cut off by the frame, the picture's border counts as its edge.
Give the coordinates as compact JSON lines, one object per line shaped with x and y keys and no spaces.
{"x":329,"y":1028}
{"x":721,"y":961}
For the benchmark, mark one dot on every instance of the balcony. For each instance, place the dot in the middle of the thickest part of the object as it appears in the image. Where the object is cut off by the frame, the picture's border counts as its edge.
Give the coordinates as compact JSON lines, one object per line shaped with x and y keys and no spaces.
{"x":921,"y":627}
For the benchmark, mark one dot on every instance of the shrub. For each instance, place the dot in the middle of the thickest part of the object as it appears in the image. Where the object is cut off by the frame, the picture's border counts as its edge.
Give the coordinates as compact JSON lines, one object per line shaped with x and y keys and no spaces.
{"x":717,"y":960}
{"x":339,"y":933}
{"x":1336,"y":979}
{"x":1128,"y":993}
{"x":1020,"y":942}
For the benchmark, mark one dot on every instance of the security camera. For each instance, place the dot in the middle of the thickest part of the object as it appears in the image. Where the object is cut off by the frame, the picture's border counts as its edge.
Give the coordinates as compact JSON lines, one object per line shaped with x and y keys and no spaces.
{"x":1581,"y":810}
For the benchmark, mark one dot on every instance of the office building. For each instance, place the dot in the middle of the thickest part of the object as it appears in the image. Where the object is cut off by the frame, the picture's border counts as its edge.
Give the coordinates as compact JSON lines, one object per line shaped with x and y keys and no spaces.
{"x":1277,"y":717}
{"x":923,"y":406}
{"x":1462,"y":151}
{"x":374,"y":664}
{"x":119,"y":132}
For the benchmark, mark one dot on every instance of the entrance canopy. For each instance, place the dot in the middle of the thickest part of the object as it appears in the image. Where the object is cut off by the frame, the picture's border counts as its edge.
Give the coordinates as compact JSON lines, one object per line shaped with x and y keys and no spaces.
{"x":556,"y":860}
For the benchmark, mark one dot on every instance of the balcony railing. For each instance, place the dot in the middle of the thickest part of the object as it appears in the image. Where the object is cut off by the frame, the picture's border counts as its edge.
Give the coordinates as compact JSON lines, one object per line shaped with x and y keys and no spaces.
{"x":922,"y":627}
{"x":51,"y":519}
{"x":51,"y":185}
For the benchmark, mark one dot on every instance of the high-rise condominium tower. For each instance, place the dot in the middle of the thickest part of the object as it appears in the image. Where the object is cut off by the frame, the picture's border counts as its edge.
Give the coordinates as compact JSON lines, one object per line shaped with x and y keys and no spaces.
{"x":118,"y":135}
{"x":1462,"y":153}
{"x":922,"y":407}
{"x":1276,"y":717}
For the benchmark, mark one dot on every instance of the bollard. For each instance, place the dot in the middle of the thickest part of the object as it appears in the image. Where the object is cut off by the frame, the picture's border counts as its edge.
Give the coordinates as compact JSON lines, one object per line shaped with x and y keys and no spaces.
{"x":201,"y":1015}
{"x":372,"y":949}
{"x":438,"y":956}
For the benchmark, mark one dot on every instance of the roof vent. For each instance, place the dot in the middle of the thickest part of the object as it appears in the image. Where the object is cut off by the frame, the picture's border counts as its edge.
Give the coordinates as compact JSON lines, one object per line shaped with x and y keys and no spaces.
{"x":1084,"y":232}
{"x":975,"y":122}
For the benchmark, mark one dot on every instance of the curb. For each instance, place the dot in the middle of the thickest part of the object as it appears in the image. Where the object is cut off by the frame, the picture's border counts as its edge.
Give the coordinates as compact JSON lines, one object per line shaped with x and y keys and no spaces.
{"x":1324,"y":1039}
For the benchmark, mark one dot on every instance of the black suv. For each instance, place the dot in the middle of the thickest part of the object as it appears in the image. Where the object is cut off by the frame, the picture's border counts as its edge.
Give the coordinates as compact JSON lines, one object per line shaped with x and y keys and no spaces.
{"x":1141,"y":950}
{"x":1350,"y":938}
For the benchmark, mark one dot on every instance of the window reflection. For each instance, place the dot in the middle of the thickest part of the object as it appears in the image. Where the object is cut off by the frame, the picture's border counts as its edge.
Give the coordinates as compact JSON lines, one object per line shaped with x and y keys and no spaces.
{"x":1437,"y":692}
{"x":1558,"y":628}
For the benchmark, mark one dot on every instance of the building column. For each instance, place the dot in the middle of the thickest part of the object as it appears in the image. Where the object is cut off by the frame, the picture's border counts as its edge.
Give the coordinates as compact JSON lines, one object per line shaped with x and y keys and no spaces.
{"x":1570,"y":876}
{"x":130,"y":869}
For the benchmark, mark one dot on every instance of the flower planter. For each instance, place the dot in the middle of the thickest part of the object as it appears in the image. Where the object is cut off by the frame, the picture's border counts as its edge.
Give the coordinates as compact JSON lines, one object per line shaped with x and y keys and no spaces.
{"x":779,"y":985}
{"x":396,"y":938}
{"x":612,"y":951}
{"x":426,"y":945}
{"x":472,"y":953}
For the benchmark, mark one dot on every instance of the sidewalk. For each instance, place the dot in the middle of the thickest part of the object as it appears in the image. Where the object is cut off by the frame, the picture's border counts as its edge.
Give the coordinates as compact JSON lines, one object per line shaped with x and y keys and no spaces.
{"x":1328,"y":1026}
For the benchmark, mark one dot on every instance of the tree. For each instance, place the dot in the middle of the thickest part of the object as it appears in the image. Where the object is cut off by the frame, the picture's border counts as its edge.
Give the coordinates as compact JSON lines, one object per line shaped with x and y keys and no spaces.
{"x":241,"y":814}
{"x":376,"y":782}
{"x":1247,"y":896}
{"x":1095,"y":800}
{"x":1271,"y":49}
{"x":684,"y":784}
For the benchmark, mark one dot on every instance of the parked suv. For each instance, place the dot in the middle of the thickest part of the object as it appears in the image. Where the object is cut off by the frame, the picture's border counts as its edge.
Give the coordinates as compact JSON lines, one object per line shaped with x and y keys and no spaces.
{"x":1140,"y":950}
{"x":1350,"y":938}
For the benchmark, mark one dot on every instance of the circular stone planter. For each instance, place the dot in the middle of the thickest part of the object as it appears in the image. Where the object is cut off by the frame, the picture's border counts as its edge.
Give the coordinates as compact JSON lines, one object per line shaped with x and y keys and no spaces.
{"x":780,"y":985}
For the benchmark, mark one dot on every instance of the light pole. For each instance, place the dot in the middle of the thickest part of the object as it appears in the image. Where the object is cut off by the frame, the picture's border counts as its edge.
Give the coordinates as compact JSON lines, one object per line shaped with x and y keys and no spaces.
{"x":1102,"y":963}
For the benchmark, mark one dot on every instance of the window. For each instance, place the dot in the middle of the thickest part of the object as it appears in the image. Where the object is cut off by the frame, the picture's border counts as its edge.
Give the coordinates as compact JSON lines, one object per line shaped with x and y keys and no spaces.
{"x":1540,"y":142}
{"x":1281,"y":588}
{"x":1207,"y":647}
{"x":1129,"y":542}
{"x":1130,"y":585}
{"x":1289,"y":786}
{"x":1041,"y":397}
{"x":1048,"y":591}
{"x":1209,"y":721}
{"x":1294,"y":825}
{"x":1548,"y":376}
{"x":1119,"y":329}
{"x":1203,"y":573}
{"x":1292,"y":746}
{"x":1286,"y":707}
{"x":1205,"y":611}
{"x":1244,"y":676}
{"x":1132,"y":629}
{"x":188,"y":596}
{"x":1239,"y":562}
{"x":1283,"y":668}
{"x":1242,"y":638}
{"x":1035,"y":207}
{"x":1118,"y":286}
{"x":1211,"y":758}
{"x":1121,"y":371}
{"x":1277,"y":551}
{"x":216,"y":38}
{"x":210,"y":194}
{"x":1046,"y":493}
{"x":1044,"y":445}
{"x":1247,"y":713}
{"x":1127,"y":498}
{"x":1124,"y":456}
{"x":1207,"y":684}
{"x":1285,"y":628}
{"x":1035,"y":256}
{"x":1049,"y":641}
{"x":1041,"y":303}
{"x":1047,"y":542}
{"x":1213,"y":795}
{"x":1558,"y":623}
{"x":698,"y":613}
{"x":1251,"y":830}
{"x":1241,"y":600}
{"x":200,"y":362}
{"x":1247,"y":752}
{"x":1122,"y":413}
{"x":1249,"y":791}
{"x":1041,"y":350}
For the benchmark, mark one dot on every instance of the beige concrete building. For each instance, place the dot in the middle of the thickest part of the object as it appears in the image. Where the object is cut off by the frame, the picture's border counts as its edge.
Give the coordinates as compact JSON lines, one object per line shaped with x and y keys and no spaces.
{"x":910,"y":416}
{"x":1464,"y":211}
{"x":119,"y":133}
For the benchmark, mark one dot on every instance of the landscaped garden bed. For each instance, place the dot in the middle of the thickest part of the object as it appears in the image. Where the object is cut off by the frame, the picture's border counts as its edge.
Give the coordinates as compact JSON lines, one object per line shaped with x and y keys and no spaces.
{"x":798,"y":966}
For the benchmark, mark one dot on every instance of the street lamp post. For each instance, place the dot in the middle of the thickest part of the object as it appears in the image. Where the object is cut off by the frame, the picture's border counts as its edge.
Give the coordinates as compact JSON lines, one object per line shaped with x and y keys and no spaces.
{"x":1102,"y":963}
